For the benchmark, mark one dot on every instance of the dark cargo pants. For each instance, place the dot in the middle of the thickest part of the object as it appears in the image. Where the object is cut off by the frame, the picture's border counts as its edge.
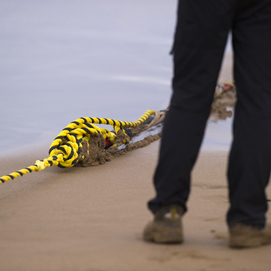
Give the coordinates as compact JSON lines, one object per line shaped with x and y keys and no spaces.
{"x":200,"y":38}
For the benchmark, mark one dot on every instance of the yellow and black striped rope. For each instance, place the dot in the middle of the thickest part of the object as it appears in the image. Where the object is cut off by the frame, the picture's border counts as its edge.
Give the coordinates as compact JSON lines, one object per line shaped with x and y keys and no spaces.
{"x":65,"y":148}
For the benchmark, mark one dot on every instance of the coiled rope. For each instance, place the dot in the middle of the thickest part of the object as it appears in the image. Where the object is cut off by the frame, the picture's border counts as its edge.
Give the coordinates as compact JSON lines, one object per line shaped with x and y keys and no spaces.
{"x":65,"y":149}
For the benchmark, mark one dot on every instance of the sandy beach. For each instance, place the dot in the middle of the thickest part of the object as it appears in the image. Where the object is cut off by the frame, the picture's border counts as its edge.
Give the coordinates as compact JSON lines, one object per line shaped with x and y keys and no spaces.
{"x":91,"y":218}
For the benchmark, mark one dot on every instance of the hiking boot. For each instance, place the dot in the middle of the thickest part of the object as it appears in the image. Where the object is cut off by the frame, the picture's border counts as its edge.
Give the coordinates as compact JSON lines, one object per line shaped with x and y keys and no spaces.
{"x":166,"y":226}
{"x":246,"y":236}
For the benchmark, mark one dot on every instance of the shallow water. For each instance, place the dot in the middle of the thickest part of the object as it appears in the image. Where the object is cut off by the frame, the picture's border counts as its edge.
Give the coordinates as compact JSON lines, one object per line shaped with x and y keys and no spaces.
{"x":64,"y":59}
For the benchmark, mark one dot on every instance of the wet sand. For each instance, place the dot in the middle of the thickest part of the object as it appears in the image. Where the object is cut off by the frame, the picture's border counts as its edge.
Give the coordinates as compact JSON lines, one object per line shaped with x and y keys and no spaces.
{"x":91,"y":218}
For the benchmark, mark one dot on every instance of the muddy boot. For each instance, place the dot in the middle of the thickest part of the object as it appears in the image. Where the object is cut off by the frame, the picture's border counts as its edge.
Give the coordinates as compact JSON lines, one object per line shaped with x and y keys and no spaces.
{"x":245,"y":236}
{"x":166,"y":226}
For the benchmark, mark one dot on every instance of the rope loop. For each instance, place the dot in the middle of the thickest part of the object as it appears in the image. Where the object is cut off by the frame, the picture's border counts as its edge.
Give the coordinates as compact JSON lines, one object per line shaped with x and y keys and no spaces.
{"x":66,"y":147}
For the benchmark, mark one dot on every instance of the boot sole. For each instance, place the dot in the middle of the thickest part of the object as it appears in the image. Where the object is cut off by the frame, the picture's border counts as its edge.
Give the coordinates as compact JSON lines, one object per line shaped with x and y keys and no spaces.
{"x":247,"y":242}
{"x":164,"y":235}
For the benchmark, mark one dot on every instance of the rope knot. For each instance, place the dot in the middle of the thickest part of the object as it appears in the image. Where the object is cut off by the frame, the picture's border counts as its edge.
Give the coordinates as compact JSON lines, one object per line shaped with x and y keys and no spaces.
{"x":40,"y":165}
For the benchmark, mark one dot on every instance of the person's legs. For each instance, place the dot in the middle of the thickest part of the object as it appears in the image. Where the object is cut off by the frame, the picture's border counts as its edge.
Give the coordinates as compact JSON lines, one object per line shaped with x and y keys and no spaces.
{"x":200,"y":39}
{"x":250,"y":157}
